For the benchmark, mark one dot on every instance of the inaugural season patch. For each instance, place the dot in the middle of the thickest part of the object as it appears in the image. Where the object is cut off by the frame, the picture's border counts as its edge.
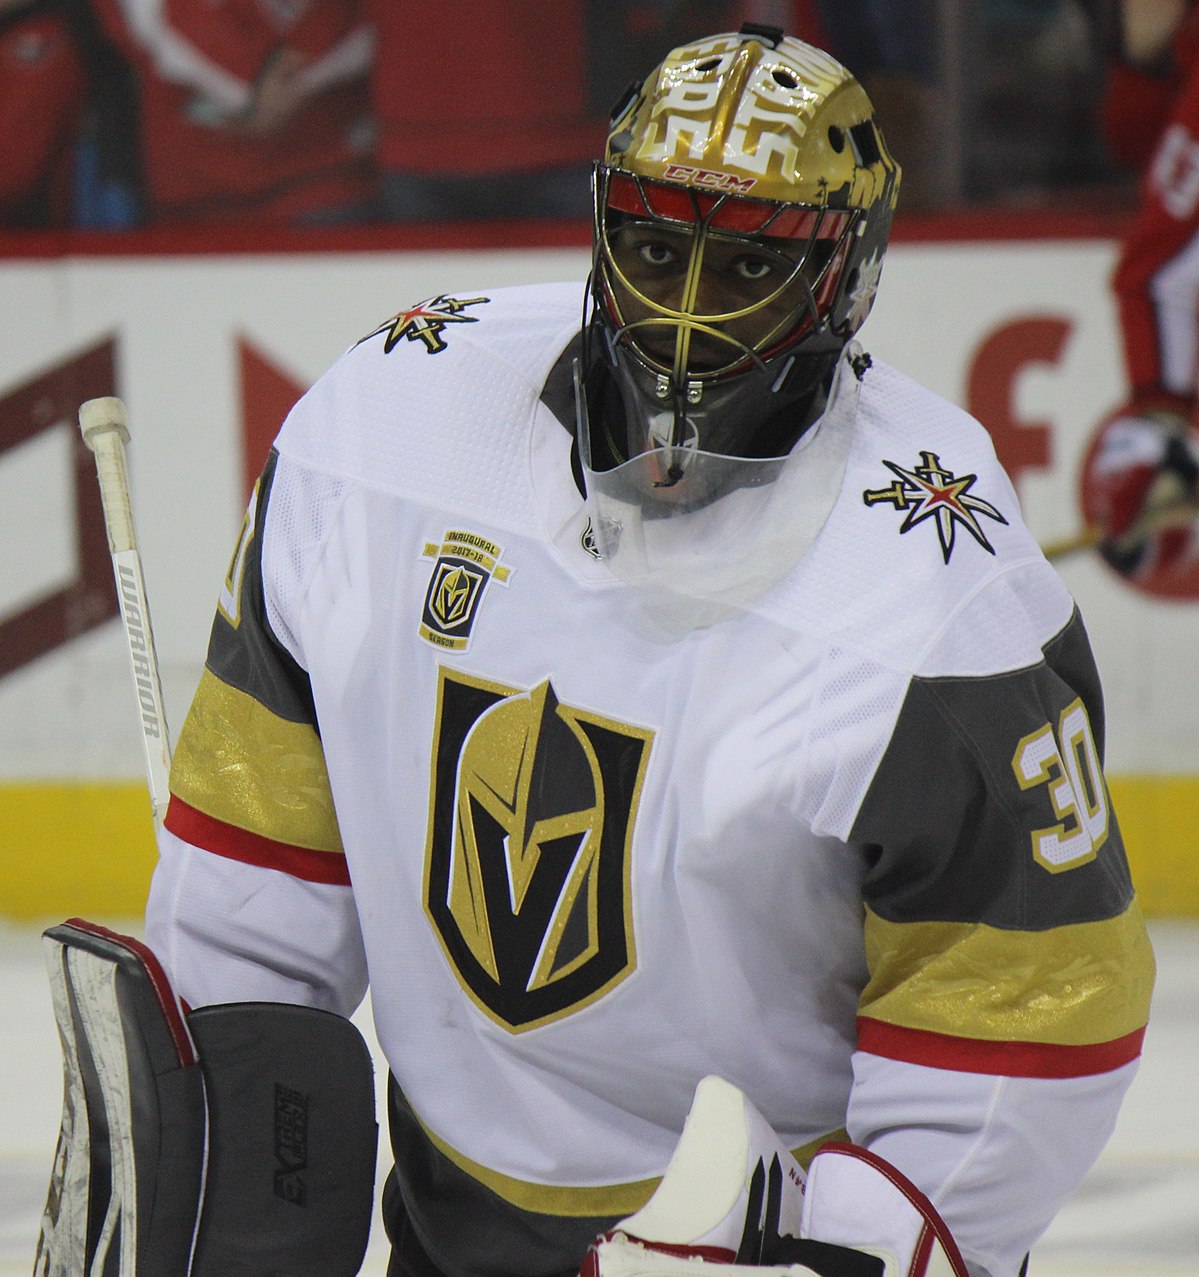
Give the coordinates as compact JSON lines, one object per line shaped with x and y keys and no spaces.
{"x":527,"y":862}
{"x":465,"y":564}
{"x":931,"y":492}
{"x":426,"y":321}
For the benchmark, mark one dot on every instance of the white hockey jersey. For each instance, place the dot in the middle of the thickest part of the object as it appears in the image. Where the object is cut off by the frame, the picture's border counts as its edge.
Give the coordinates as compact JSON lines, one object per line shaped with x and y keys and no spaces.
{"x":849,"y":847}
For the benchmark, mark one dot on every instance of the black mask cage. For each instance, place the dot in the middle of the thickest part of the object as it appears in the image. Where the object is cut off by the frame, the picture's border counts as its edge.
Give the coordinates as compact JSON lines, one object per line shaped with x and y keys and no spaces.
{"x":710,"y":320}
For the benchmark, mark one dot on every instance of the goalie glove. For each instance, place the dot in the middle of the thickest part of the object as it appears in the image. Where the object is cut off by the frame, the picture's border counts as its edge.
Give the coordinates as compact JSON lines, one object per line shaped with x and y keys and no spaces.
{"x":1145,"y":477}
{"x":733,"y":1195}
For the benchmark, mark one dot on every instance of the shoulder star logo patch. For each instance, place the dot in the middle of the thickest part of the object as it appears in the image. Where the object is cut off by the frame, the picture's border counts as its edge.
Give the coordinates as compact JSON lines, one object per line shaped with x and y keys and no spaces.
{"x":932,"y":492}
{"x":426,"y":321}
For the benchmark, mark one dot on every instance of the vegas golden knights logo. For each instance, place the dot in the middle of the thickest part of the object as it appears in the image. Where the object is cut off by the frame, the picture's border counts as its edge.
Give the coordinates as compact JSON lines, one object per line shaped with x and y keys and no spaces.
{"x":527,"y":874}
{"x":464,"y":564}
{"x":426,"y":322}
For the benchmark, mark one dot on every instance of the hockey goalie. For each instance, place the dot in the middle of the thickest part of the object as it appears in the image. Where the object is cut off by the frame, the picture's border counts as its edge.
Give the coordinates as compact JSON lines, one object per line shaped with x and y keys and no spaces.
{"x":633,"y":683}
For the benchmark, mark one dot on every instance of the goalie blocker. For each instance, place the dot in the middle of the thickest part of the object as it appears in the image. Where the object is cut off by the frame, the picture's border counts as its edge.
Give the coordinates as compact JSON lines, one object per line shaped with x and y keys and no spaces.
{"x":231,"y":1141}
{"x":734,"y":1196}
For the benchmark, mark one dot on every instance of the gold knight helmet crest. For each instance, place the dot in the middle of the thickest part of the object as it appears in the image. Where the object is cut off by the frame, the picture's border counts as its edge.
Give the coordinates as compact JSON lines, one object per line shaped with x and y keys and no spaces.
{"x":527,"y":875}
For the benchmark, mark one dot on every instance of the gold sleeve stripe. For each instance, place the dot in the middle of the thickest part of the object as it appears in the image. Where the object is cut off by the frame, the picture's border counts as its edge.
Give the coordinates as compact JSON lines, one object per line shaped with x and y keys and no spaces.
{"x":247,"y":768}
{"x":251,"y":849}
{"x":573,"y":1201}
{"x":1075,"y":986}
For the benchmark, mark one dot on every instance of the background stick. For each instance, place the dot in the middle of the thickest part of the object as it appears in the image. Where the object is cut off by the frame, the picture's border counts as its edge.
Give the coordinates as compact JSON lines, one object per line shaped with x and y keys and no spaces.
{"x":1087,"y":539}
{"x":1155,"y":518}
{"x":104,"y":423}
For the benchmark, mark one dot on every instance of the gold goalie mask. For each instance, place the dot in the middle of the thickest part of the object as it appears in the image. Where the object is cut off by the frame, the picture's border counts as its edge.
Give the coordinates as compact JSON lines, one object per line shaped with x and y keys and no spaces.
{"x":741,"y":216}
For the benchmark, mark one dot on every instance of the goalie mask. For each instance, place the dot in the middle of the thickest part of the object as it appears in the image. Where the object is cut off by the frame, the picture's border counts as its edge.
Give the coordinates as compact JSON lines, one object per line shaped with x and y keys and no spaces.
{"x":741,"y":217}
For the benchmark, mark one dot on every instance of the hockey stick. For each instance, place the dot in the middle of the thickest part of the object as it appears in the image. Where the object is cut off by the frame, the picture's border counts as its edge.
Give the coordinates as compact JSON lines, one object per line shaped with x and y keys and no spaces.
{"x":104,"y":423}
{"x":1155,"y":518}
{"x":1087,"y":539}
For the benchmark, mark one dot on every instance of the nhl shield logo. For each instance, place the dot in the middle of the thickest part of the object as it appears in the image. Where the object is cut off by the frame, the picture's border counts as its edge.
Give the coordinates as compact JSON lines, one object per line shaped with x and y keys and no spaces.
{"x":527,"y":863}
{"x":465,"y":563}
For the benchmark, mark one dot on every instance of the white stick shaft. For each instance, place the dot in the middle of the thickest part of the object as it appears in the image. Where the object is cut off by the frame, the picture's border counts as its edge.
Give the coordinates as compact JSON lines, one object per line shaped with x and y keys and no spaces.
{"x":143,"y":662}
{"x":103,"y":424}
{"x":109,"y":448}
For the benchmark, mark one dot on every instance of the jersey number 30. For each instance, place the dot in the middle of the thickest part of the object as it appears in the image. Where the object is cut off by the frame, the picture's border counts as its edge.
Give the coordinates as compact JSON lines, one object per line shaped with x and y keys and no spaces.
{"x":1067,"y":762}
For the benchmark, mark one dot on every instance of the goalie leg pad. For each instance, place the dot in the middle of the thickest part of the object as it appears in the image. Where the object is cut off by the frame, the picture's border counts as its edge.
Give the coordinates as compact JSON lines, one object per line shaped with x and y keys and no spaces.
{"x":237,"y":1141}
{"x":129,"y":1166}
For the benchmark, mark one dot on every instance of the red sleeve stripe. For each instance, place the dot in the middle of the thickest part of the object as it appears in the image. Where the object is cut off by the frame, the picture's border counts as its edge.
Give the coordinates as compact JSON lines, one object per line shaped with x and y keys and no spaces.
{"x":1006,"y":1059}
{"x":226,"y":840}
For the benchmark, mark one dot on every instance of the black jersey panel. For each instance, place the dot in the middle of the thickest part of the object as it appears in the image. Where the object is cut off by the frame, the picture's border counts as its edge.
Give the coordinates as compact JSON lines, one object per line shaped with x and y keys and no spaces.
{"x":466,"y":1228}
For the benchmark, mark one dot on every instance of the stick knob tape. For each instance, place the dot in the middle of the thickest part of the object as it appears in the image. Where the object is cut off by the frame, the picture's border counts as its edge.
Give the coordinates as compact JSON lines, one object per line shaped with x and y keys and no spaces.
{"x":99,"y":416}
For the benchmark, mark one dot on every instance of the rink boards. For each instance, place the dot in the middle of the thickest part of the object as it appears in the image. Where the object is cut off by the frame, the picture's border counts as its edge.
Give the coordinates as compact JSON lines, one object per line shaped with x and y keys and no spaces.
{"x":209,"y":350}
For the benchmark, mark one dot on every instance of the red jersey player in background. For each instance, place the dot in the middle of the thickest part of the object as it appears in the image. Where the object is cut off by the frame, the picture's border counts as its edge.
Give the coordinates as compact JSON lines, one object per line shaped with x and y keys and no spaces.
{"x":508,"y":124}
{"x":502,"y":129}
{"x":1144,"y":468}
{"x":42,"y":88}
{"x":253,"y":111}
{"x":65,"y":106}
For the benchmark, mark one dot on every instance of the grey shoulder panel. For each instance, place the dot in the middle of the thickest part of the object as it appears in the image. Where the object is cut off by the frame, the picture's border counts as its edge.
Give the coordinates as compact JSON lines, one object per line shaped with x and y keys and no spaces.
{"x":989,"y":804}
{"x":242,"y":649}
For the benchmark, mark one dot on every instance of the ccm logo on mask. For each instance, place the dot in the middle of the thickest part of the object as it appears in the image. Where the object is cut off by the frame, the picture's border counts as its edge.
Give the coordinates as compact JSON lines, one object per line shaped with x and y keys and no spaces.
{"x":706,"y":178}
